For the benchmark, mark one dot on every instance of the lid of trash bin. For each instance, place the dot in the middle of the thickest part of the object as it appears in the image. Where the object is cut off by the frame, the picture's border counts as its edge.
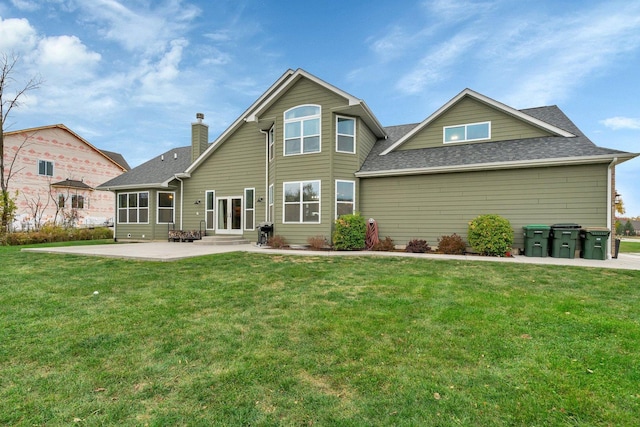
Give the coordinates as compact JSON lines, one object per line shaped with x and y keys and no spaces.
{"x":597,"y":231}
{"x":566,"y":225}
{"x":536,"y":226}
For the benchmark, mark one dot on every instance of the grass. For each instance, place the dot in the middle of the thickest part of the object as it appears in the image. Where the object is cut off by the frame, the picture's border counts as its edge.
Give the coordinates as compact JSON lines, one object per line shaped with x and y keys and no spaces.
{"x":630,"y":247}
{"x":253,"y":339}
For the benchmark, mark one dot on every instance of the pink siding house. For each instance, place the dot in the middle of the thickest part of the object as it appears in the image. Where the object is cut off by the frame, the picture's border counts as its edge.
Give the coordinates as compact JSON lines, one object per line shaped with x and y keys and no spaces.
{"x":55,"y":172}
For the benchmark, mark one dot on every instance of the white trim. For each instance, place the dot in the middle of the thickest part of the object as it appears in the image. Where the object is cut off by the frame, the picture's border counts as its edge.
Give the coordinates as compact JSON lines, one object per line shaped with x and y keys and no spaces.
{"x":335,"y":212}
{"x":301,"y":121}
{"x":173,"y":208}
{"x":271,"y":142}
{"x":247,"y":208}
{"x":566,"y":161}
{"x":355,"y":127}
{"x":465,"y":126}
{"x":230,"y":206}
{"x":472,"y":94}
{"x":301,"y":202}
{"x":271,"y":206}
{"x":148,"y":208}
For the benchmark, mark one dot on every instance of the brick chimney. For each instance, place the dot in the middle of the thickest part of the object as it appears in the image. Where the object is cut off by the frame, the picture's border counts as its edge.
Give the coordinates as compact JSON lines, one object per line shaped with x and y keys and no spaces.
{"x":199,"y":137}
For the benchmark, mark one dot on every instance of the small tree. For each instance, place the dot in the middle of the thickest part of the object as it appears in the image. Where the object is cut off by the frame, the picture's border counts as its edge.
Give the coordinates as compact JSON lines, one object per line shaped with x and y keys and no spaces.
{"x":8,"y":102}
{"x":628,"y":229}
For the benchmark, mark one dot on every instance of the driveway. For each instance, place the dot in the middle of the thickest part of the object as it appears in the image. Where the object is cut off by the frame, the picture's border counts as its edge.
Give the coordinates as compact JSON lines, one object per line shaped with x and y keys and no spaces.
{"x":167,"y":251}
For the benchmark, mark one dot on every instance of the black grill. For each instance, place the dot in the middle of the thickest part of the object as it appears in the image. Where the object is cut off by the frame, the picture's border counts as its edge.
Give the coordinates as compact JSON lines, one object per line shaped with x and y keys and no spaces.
{"x":265,"y":230}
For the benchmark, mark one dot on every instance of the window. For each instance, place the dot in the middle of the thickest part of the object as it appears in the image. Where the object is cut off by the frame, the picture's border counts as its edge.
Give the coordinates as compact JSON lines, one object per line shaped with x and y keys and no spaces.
{"x":345,"y":197}
{"x":302,"y":202}
{"x":272,"y":139}
{"x":302,"y":130}
{"x":61,"y":200}
{"x":468,"y":132}
{"x":271,"y":215}
{"x":133,"y":208}
{"x":77,"y":202}
{"x":165,"y":207}
{"x":45,"y":168}
{"x":249,"y":208}
{"x":210,"y":209}
{"x":345,"y":135}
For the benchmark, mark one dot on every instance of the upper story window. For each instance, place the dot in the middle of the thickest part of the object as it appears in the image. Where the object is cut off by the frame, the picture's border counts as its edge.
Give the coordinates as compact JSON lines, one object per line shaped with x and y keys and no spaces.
{"x":302,"y":130}
{"x":272,"y":140}
{"x":468,"y":132}
{"x":345,"y":135}
{"x":45,"y":168}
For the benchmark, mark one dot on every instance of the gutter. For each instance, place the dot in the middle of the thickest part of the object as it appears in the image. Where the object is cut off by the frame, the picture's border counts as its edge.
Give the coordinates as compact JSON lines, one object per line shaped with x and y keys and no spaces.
{"x":487,"y":166}
{"x":610,"y":206}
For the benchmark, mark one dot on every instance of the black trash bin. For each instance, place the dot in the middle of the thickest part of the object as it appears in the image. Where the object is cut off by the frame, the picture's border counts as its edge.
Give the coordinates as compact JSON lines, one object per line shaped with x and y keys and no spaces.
{"x":563,"y":240}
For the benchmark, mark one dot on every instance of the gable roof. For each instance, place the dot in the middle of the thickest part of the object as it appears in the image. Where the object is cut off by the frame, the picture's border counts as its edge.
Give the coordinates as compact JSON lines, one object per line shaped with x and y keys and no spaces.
{"x":115,"y":158}
{"x":529,"y":152}
{"x":72,"y":183}
{"x":486,"y":100}
{"x":355,"y":106}
{"x":155,"y":173}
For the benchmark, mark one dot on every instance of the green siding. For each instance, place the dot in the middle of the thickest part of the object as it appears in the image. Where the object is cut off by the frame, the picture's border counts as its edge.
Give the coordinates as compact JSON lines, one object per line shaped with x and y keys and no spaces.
{"x":430,"y":206}
{"x":152,"y":230}
{"x":237,"y":164}
{"x":468,"y":110}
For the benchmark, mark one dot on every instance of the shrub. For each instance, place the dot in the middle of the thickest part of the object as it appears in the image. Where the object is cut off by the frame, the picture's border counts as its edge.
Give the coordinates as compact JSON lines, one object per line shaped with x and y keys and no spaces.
{"x":53,"y":233}
{"x":452,"y":245}
{"x":418,"y":246}
{"x":277,"y":241}
{"x":385,"y":245}
{"x":350,"y":232}
{"x":317,"y":242}
{"x":490,"y":235}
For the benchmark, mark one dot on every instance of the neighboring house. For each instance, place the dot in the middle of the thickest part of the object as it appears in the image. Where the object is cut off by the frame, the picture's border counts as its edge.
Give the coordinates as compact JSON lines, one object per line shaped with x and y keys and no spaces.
{"x":306,"y":152}
{"x":56,"y":172}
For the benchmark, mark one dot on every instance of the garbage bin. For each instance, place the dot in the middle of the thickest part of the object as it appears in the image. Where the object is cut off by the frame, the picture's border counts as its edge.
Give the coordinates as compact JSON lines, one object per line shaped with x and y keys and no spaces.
{"x":594,"y":242}
{"x":563,"y":240}
{"x":536,"y":240}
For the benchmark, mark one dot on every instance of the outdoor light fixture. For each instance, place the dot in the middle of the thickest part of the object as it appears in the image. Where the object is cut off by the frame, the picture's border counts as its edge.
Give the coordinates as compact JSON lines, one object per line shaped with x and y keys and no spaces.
{"x":616,"y":199}
{"x":197,"y":202}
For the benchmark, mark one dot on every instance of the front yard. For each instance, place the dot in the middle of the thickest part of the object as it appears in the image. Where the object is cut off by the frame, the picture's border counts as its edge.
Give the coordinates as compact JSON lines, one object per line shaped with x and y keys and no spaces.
{"x":253,"y":339}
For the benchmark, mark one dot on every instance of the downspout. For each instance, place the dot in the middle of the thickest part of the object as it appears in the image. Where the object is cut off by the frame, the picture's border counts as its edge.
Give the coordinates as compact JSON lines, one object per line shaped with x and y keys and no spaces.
{"x":181,"y":199}
{"x":115,"y":217}
{"x":266,"y":175}
{"x":610,"y":206}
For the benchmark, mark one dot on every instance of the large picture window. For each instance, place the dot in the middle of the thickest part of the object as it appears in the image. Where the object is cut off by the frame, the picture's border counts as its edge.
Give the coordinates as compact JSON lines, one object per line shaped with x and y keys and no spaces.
{"x":302,"y":130}
{"x":302,"y":202}
{"x":345,"y":197}
{"x":165,"y":207}
{"x":345,"y":135}
{"x":133,"y":208}
{"x":468,"y":132}
{"x":45,"y":168}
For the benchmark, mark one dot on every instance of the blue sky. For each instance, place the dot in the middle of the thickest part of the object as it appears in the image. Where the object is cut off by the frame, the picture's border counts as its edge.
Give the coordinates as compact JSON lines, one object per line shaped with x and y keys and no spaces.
{"x":129,"y":76}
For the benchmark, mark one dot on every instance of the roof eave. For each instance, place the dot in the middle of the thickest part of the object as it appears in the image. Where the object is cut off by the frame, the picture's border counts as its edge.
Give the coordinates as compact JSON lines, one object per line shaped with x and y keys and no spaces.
{"x":564,"y":161}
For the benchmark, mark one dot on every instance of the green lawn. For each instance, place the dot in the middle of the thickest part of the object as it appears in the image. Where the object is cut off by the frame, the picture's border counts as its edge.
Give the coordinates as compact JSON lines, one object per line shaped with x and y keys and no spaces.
{"x":262,"y":340}
{"x":630,"y":247}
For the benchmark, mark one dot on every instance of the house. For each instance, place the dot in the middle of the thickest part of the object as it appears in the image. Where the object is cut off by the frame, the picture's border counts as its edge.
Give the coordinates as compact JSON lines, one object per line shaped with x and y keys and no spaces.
{"x":306,"y":152}
{"x":55,"y":173}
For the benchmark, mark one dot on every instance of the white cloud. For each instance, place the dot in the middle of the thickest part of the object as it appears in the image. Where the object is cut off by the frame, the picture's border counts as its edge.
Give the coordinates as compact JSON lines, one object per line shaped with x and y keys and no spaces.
{"x":67,"y":54}
{"x":436,"y":65}
{"x":16,"y":35}
{"x":617,"y":123}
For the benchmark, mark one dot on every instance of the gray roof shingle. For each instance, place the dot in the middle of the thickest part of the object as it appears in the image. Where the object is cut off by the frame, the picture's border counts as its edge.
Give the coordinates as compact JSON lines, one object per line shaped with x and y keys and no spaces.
{"x":463,"y":155}
{"x":156,"y":171}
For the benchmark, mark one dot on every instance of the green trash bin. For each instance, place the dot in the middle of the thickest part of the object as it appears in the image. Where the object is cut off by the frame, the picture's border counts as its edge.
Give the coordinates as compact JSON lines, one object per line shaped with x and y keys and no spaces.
{"x":594,"y":242}
{"x":563,"y":240}
{"x":536,"y":240}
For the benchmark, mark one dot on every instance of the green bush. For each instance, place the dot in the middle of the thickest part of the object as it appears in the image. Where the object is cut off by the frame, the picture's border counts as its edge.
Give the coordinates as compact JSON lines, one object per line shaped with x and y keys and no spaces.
{"x":350,"y":233}
{"x":490,"y":235}
{"x":452,"y":245}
